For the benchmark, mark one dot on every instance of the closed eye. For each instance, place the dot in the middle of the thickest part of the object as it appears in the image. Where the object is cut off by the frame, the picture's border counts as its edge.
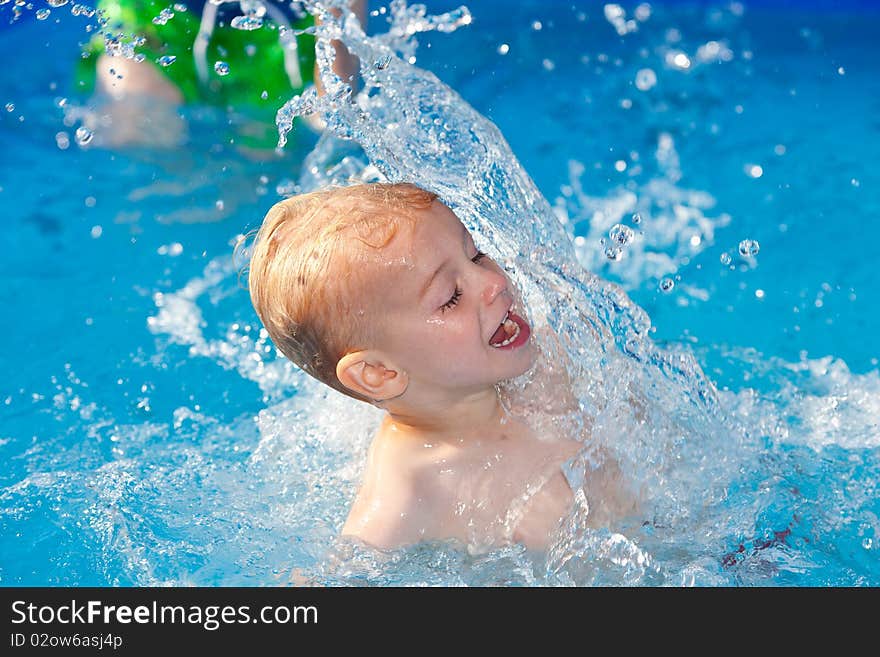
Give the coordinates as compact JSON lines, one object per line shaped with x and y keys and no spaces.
{"x":453,"y":300}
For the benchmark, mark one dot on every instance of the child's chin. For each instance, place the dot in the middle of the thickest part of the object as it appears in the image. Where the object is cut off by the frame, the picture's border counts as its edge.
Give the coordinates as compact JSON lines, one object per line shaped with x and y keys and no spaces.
{"x":525,"y":358}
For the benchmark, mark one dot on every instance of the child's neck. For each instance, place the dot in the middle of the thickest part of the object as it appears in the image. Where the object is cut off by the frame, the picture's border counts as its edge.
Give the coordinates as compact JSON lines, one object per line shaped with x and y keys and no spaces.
{"x":477,"y":412}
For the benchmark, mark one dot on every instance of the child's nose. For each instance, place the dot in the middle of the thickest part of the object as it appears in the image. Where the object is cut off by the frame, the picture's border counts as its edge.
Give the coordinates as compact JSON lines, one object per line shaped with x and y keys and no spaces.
{"x":495,"y":283}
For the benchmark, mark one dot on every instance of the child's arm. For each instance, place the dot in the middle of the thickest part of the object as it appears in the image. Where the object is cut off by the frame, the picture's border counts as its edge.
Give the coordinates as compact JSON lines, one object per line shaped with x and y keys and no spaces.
{"x":345,"y":64}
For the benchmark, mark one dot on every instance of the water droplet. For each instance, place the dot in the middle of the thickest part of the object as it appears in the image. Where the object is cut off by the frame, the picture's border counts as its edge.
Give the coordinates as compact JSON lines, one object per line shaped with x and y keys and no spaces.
{"x":62,"y":140}
{"x":666,"y":284}
{"x":10,"y":107}
{"x":867,"y":543}
{"x":537,"y":25}
{"x":382,"y":63}
{"x":167,"y":60}
{"x":645,"y":79}
{"x":43,"y":14}
{"x":725,"y":258}
{"x":503,"y":49}
{"x":679,"y":60}
{"x":637,"y":218}
{"x":179,"y":6}
{"x":221,"y":68}
{"x":264,"y":95}
{"x":56,"y":3}
{"x":749,"y":248}
{"x":614,"y":253}
{"x":164,"y":16}
{"x":83,"y":135}
{"x":754,"y":170}
{"x":82,"y":10}
{"x":247,"y":23}
{"x":621,"y":234}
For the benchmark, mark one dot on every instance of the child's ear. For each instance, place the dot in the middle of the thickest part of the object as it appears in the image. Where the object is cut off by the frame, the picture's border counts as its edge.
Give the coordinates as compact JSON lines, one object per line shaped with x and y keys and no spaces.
{"x":370,"y":375}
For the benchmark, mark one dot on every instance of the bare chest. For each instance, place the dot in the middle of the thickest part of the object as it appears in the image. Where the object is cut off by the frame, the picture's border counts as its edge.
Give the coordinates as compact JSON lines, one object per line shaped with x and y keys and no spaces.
{"x":510,"y":489}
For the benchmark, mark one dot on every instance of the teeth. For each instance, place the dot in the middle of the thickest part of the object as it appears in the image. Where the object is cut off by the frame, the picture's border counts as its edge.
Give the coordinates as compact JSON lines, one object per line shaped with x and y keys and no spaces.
{"x":510,"y":338}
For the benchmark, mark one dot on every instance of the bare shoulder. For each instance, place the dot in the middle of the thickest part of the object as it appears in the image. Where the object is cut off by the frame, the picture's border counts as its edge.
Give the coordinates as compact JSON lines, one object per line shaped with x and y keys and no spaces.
{"x":384,"y":519}
{"x":392,"y":507}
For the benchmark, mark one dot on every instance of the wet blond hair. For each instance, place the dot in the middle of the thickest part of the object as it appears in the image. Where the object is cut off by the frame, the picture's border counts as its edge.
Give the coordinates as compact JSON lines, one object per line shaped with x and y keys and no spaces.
{"x":303,"y":277}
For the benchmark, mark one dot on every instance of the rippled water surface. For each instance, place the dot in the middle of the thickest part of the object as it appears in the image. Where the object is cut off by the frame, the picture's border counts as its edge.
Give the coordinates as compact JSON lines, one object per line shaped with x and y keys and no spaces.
{"x":715,"y":162}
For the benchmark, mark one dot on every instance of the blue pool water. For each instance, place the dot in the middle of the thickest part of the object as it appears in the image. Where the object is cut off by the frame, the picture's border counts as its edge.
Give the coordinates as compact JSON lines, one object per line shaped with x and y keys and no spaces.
{"x":151,"y":436}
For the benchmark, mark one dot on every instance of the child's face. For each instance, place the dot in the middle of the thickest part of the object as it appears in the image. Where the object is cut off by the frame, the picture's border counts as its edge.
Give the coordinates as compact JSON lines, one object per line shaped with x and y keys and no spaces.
{"x":442,"y":308}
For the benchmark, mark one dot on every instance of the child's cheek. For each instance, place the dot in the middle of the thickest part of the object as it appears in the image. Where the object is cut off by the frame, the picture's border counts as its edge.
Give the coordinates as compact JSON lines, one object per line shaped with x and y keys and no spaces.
{"x":452,"y":333}
{"x":445,"y":337}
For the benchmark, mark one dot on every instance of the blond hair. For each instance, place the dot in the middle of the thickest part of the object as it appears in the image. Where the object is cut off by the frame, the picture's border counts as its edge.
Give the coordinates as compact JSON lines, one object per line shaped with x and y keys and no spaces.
{"x":300,"y":276}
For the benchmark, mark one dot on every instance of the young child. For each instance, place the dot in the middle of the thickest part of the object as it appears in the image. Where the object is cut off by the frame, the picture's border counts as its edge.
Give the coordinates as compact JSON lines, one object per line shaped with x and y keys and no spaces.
{"x":379,"y":291}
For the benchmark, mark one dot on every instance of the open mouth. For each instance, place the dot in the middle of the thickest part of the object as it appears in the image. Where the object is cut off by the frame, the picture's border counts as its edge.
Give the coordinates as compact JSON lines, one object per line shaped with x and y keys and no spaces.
{"x":512,"y":332}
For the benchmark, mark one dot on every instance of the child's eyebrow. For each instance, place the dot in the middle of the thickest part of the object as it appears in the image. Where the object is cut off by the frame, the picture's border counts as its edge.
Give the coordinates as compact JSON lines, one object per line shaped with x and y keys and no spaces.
{"x":465,"y":234}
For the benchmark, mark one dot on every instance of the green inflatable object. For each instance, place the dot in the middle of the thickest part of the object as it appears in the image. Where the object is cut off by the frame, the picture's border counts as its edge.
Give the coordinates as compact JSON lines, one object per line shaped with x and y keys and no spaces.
{"x":254,"y":82}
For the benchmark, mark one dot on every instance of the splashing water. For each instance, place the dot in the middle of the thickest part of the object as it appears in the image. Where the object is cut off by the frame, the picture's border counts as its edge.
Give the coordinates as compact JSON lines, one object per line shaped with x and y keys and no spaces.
{"x":714,"y":466}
